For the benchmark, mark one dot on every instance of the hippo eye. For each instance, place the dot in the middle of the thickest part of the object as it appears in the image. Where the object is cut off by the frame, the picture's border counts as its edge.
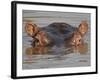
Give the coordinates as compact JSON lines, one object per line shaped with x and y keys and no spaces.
{"x":80,"y":40}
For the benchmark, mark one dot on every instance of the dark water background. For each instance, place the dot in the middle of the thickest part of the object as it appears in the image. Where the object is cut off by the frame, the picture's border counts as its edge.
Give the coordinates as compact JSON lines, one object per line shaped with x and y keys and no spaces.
{"x":55,"y":57}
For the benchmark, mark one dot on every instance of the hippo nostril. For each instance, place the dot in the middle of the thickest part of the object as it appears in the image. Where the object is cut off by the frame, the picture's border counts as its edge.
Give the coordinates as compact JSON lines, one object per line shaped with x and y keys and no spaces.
{"x":73,"y":41}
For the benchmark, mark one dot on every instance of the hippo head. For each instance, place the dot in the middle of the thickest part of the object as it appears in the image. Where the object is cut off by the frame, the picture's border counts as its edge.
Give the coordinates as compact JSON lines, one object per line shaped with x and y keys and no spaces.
{"x":79,"y":33}
{"x":40,"y":38}
{"x":43,"y":38}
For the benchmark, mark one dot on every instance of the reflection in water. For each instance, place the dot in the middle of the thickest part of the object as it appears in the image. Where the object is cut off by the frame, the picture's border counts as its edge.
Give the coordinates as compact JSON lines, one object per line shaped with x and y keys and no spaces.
{"x":37,"y":50}
{"x":33,"y":53}
{"x":48,"y":55}
{"x":82,"y":49}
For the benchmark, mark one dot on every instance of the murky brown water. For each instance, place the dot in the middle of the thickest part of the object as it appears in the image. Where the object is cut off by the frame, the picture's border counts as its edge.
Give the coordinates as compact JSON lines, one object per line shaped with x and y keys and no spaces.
{"x":54,"y":57}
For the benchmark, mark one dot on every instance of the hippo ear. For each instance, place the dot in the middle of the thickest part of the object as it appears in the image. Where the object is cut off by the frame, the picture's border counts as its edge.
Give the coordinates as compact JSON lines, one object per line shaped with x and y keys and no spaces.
{"x":31,"y":28}
{"x":83,"y":28}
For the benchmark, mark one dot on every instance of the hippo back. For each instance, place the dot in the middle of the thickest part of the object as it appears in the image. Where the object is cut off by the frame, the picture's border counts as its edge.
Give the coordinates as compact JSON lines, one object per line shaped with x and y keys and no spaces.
{"x":58,"y":32}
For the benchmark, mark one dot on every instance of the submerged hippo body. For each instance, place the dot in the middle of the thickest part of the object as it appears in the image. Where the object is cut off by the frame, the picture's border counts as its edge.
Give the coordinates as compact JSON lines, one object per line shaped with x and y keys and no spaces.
{"x":56,"y":34}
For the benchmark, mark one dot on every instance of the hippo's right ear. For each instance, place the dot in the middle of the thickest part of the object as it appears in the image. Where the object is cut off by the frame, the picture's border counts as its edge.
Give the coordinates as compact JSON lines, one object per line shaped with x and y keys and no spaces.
{"x":83,"y":28}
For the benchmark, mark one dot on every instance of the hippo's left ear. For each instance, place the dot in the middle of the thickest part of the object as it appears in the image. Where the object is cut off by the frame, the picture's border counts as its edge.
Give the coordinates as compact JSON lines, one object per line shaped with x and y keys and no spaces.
{"x":83,"y":28}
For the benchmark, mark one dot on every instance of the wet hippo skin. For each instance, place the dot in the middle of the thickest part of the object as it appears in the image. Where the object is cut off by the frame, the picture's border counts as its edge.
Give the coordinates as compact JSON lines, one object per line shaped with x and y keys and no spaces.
{"x":57,"y":33}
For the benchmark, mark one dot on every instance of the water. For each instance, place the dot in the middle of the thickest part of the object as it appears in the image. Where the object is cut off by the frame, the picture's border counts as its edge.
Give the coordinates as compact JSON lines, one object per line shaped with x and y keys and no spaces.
{"x":55,"y":57}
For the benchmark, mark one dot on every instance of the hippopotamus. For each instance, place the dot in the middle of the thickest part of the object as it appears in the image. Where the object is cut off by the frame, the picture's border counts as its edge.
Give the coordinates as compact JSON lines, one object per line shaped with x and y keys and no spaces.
{"x":57,"y":33}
